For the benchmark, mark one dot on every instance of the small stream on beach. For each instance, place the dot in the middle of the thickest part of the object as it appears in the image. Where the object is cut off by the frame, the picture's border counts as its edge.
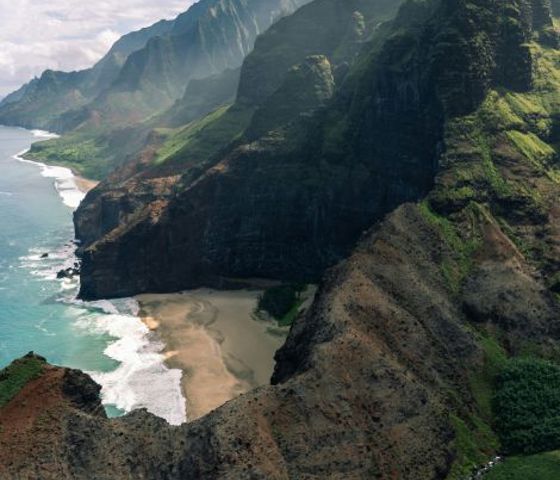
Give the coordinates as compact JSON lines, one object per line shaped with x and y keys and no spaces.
{"x":39,"y":312}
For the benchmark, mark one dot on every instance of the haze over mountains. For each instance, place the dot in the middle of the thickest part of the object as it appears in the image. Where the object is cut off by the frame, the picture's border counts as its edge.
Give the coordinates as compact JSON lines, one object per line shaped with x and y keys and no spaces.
{"x":403,"y":155}
{"x":207,"y":39}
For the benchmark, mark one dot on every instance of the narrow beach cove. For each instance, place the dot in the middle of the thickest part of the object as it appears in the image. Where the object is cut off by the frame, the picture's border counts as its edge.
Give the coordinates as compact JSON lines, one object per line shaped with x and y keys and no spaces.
{"x":215,"y":338}
{"x":178,"y":355}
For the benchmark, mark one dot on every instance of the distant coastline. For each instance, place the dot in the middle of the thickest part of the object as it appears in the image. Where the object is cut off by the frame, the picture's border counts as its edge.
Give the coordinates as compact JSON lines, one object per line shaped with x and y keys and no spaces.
{"x":83,"y":184}
{"x":69,"y":184}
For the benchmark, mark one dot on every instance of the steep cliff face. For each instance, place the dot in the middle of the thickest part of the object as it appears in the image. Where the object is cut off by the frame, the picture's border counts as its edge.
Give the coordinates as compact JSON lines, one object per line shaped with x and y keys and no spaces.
{"x":376,"y":381}
{"x":213,"y":36}
{"x":103,"y":211}
{"x":374,"y":147}
{"x":306,"y":87}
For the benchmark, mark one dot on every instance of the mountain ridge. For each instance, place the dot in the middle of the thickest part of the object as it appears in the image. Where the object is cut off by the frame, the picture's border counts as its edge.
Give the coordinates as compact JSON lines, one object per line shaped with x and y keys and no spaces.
{"x":146,"y":70}
{"x":86,"y":85}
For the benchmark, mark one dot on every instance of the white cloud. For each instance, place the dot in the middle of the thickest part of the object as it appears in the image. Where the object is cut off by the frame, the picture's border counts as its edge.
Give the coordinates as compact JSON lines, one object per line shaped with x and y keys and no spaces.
{"x":68,"y":34}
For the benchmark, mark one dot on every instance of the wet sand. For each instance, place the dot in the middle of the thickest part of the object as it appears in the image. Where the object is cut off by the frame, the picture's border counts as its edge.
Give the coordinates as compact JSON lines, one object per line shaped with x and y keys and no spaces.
{"x":214,"y":338}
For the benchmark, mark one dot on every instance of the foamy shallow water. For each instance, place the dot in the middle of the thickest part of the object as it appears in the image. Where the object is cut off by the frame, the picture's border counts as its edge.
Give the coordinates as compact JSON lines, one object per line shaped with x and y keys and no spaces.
{"x":64,"y":181}
{"x":134,"y":374}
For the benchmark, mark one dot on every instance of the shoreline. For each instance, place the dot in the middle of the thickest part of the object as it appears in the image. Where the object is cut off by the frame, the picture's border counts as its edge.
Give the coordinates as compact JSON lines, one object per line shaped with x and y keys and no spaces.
{"x":209,"y":341}
{"x":125,"y":358}
{"x":215,"y":340}
{"x":72,"y":188}
{"x":84,"y":184}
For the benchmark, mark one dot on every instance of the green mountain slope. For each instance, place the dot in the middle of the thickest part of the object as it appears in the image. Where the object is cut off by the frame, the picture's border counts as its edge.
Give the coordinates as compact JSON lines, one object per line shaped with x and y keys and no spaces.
{"x":177,"y":78}
{"x":219,"y":38}
{"x":42,"y":102}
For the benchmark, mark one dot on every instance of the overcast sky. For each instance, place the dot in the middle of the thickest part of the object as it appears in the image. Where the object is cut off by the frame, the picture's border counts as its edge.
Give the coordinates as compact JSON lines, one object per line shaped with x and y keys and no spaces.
{"x":68,"y":34}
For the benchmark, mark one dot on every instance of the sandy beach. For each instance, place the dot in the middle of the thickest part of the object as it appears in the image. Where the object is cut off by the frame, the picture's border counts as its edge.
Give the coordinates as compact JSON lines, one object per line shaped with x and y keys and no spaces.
{"x":215,"y":340}
{"x":84,"y":184}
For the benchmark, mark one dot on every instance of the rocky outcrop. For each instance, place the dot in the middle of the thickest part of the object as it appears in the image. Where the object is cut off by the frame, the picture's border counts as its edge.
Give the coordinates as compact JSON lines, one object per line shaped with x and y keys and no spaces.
{"x":365,"y":387}
{"x":323,"y":27}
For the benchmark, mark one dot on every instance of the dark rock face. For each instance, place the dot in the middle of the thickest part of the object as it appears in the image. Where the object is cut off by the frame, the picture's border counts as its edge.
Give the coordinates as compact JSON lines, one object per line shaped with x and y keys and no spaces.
{"x":68,"y":273}
{"x":295,"y":201}
{"x":306,"y":87}
{"x":83,"y":392}
{"x":540,"y":12}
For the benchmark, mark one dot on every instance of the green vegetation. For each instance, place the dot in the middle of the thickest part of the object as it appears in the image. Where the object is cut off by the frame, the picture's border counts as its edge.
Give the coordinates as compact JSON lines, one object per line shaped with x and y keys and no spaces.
{"x":474,"y":443}
{"x":531,"y":146}
{"x":526,"y":406}
{"x":545,"y":466}
{"x":14,"y":377}
{"x":83,"y":154}
{"x":483,"y":382}
{"x":93,"y":154}
{"x":509,"y":128}
{"x":201,"y":139}
{"x":454,"y":269}
{"x":519,"y":398}
{"x":282,"y":303}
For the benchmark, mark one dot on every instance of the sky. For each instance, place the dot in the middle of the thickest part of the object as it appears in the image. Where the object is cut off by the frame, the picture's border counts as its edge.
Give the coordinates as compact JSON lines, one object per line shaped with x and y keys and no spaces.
{"x":36,"y":35}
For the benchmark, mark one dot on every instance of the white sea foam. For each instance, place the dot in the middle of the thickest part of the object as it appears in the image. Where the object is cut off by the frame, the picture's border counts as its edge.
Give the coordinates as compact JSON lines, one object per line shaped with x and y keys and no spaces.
{"x":44,"y":134}
{"x":64,"y":181}
{"x":142,"y":380}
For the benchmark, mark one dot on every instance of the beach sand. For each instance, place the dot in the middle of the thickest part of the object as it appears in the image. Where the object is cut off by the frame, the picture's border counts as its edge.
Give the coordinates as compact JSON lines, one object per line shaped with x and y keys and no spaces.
{"x":85,"y":185}
{"x":213,"y":337}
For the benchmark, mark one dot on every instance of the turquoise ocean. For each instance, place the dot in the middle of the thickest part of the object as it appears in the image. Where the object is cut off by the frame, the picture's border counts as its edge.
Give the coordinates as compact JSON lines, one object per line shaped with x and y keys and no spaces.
{"x":40,"y":313}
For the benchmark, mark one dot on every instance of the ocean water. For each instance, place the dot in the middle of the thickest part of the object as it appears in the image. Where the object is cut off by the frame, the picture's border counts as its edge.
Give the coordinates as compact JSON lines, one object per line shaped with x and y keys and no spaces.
{"x":40,"y":313}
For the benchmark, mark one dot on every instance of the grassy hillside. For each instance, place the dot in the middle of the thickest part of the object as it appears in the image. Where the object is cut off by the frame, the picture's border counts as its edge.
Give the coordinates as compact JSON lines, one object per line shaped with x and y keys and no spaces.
{"x":14,"y":377}
{"x":545,"y":466}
